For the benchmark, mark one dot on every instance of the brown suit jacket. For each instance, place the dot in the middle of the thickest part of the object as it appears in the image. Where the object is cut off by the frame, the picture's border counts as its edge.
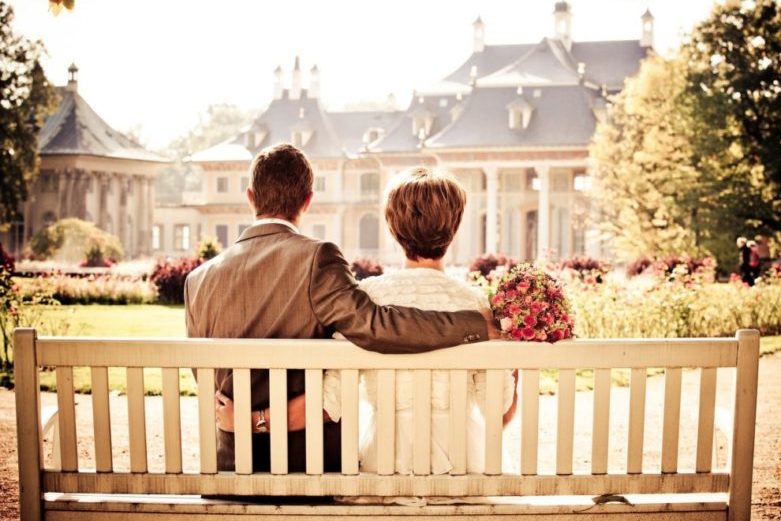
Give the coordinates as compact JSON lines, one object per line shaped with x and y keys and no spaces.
{"x":274,"y":283}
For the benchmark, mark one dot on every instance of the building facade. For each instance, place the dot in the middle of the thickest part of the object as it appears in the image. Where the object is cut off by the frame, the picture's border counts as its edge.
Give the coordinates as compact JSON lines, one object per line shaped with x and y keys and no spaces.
{"x":512,"y":123}
{"x":92,"y":172}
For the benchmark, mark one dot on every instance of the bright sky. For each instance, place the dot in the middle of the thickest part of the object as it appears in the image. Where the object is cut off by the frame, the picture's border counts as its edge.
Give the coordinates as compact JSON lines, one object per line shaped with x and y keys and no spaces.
{"x":156,"y":65}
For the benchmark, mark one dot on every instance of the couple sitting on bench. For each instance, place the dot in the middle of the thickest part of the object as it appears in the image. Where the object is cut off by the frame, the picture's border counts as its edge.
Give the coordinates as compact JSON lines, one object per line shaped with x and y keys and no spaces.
{"x":275,"y":282}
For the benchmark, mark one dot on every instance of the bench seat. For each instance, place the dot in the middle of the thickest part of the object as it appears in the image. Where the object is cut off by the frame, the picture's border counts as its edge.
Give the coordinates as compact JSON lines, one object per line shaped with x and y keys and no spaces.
{"x":85,"y":507}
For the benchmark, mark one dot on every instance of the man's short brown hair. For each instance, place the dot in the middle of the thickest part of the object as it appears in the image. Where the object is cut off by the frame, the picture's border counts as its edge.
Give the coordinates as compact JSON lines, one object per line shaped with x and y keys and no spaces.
{"x":281,"y":181}
{"x":423,"y":211}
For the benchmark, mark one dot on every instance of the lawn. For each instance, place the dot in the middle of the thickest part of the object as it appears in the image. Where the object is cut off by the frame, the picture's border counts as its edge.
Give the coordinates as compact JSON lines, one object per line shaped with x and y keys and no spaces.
{"x":168,"y":321}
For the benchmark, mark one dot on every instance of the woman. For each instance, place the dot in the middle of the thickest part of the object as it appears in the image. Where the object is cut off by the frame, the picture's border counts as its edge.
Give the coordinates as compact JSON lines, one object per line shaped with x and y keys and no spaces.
{"x":423,"y":212}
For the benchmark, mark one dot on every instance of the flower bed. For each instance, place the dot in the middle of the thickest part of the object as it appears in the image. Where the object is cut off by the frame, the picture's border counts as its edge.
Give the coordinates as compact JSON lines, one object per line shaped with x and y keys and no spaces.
{"x":92,"y":289}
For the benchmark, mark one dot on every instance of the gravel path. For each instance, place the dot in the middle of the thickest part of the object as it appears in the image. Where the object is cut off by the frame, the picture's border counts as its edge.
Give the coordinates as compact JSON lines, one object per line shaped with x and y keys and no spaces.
{"x":767,"y":461}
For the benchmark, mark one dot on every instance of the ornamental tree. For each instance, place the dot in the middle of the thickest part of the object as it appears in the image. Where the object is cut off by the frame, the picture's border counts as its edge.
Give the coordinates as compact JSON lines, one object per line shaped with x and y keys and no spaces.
{"x":26,"y":98}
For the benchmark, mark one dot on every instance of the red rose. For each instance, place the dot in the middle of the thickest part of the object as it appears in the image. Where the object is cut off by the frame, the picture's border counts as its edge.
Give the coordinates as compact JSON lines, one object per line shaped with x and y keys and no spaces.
{"x":528,"y":333}
{"x":555,"y":335}
{"x":529,"y":320}
{"x":516,"y":333}
{"x":536,"y":307}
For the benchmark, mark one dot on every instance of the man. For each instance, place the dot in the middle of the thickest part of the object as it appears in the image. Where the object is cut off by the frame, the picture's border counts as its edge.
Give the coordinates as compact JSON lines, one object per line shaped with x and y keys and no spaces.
{"x":277,"y":283}
{"x":744,"y":251}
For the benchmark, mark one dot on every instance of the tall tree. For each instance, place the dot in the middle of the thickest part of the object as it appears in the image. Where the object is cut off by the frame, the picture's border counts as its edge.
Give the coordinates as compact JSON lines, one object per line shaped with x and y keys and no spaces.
{"x":734,"y":78}
{"x":26,"y":97}
{"x":647,"y":186}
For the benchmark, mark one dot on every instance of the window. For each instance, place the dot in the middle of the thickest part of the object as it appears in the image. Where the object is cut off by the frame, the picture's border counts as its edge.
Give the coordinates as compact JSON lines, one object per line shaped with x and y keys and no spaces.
{"x":157,"y":237}
{"x":582,"y":182}
{"x":244,"y":184}
{"x":320,"y":183}
{"x":369,"y":232}
{"x":242,"y":227}
{"x":182,"y":237}
{"x":222,"y":184}
{"x":370,"y":185}
{"x":49,"y":182}
{"x":318,"y":231}
{"x":222,"y":234}
{"x":532,"y":180}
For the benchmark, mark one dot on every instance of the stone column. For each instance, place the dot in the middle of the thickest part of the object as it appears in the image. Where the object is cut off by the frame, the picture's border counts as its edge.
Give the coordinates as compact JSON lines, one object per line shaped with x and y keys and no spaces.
{"x":543,"y":211}
{"x":491,"y":209}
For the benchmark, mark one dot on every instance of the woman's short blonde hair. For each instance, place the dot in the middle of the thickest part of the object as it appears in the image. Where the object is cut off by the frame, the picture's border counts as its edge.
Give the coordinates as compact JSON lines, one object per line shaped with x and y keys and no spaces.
{"x":423,"y":209}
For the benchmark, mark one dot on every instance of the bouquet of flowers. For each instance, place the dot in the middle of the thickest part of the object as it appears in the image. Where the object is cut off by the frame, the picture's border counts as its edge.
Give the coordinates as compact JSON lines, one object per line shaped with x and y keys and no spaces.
{"x":530,"y":306}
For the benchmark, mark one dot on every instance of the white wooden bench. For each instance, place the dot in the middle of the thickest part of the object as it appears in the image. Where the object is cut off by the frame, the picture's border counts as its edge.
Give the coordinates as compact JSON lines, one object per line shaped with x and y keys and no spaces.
{"x":73,"y":493}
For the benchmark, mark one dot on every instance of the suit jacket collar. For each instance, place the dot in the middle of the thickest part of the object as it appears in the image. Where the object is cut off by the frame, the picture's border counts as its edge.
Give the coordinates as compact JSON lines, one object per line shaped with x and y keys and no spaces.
{"x":262,"y":229}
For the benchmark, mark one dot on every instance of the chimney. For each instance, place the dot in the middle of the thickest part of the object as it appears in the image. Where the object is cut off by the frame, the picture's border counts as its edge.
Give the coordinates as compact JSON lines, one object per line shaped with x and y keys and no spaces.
{"x":478,"y":31}
{"x":73,"y":81}
{"x":295,"y":80}
{"x":314,"y":82}
{"x":278,"y":82}
{"x":647,"y":39}
{"x":391,"y":101}
{"x":581,"y":72}
{"x":562,"y":20}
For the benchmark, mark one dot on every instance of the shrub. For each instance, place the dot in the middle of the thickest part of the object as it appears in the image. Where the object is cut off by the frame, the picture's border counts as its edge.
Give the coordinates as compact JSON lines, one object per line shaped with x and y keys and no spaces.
{"x":70,"y":240}
{"x":95,"y":258}
{"x":364,"y":268}
{"x":92,"y":289}
{"x":485,"y":264}
{"x":638,"y":267}
{"x":6,"y":260}
{"x":674,"y":266}
{"x":169,"y":276}
{"x":209,"y":248}
{"x":584,"y":268}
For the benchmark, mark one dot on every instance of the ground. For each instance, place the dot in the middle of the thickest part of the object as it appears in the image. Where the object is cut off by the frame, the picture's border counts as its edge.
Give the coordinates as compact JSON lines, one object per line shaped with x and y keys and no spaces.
{"x":767,"y":460}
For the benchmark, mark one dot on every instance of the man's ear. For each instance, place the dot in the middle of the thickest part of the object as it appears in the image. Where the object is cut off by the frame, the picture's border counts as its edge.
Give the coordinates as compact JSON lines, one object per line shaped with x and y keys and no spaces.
{"x":251,"y":197}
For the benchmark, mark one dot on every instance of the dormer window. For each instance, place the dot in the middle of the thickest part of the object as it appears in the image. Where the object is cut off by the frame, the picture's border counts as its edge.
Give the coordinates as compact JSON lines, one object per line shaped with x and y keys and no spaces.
{"x":301,"y":136}
{"x":372,"y":135}
{"x":520,"y":116}
{"x":422,"y":123}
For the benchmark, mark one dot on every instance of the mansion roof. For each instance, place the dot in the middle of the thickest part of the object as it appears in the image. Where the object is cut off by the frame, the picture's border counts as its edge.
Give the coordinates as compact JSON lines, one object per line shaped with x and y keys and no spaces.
{"x":545,"y":94}
{"x":76,"y":129}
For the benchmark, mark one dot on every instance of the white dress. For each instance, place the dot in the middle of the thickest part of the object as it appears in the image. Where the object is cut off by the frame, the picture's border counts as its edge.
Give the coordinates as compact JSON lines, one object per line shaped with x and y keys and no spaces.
{"x":426,"y":289}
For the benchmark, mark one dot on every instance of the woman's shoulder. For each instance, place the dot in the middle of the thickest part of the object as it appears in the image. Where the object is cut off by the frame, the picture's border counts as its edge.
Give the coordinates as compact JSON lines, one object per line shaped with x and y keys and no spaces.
{"x":423,"y":288}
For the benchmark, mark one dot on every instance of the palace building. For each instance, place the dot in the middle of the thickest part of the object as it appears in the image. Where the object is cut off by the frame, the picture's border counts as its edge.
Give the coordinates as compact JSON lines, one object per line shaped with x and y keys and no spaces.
{"x":92,"y":172}
{"x":512,"y":123}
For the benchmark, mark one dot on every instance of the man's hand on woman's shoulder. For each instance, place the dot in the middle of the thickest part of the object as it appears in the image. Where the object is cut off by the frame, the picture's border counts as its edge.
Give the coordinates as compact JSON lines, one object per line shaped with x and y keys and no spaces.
{"x":491,"y":325}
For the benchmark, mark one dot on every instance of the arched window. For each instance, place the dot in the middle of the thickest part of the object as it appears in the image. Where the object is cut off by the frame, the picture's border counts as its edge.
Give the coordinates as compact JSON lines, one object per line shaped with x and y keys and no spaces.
{"x":369,"y":232}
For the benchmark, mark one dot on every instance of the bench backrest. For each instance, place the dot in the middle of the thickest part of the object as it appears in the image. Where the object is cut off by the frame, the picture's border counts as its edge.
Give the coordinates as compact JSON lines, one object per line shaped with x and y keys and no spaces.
{"x":313,"y":356}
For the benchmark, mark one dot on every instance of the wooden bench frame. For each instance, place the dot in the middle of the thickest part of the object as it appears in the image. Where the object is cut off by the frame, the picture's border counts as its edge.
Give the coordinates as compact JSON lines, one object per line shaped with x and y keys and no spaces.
{"x":60,"y":493}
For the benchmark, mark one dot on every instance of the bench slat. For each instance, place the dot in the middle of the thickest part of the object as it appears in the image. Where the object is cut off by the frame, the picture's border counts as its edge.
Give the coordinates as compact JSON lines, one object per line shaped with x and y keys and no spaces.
{"x":601,"y":430}
{"x":672,"y":415}
{"x":242,"y":423}
{"x":136,"y":413}
{"x":101,"y":419}
{"x":368,"y":484}
{"x":386,"y":422}
{"x":634,"y":457}
{"x":172,"y":424}
{"x":278,"y":420}
{"x":207,"y":427}
{"x":313,"y":381}
{"x":530,"y":410}
{"x":459,"y":385}
{"x":350,"y":380}
{"x":566,"y":422}
{"x":67,"y":418}
{"x":494,"y":398}
{"x":705,"y":419}
{"x":330,"y":354}
{"x":421,"y":447}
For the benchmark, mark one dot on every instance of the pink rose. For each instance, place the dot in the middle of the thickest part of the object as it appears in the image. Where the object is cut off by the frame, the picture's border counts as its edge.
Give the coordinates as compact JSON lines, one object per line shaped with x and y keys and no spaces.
{"x":536,"y":307}
{"x":528,"y":333}
{"x":506,"y":323}
{"x":523,"y":286}
{"x":529,"y":320}
{"x":513,"y":309}
{"x":516,"y":333}
{"x":497,"y":299}
{"x":511,"y":294}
